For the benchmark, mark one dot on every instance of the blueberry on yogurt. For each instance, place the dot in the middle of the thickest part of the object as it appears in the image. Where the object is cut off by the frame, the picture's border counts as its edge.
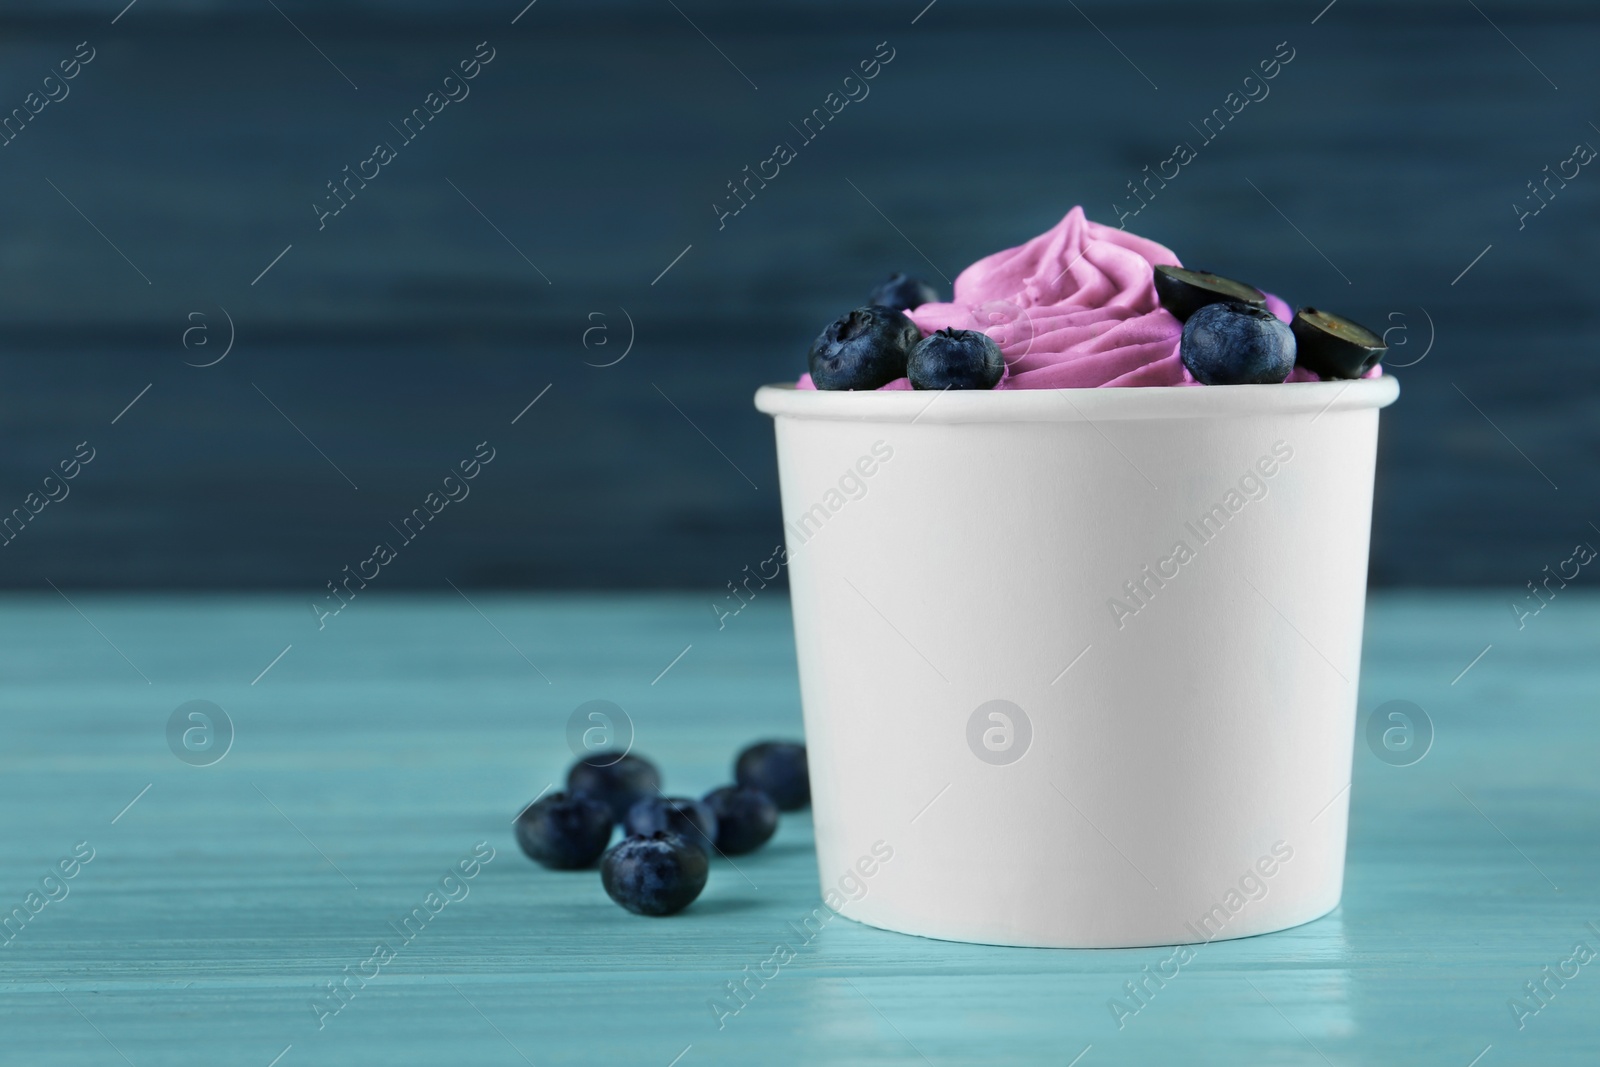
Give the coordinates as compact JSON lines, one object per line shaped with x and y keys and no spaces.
{"x":955,"y":359}
{"x":1236,"y":344}
{"x":863,"y":349}
{"x":1183,"y":292}
{"x":903,"y":292}
{"x":1334,"y":346}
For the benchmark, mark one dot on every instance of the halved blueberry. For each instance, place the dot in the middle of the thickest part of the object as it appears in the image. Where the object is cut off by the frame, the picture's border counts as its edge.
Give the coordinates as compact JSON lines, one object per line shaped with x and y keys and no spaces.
{"x":1236,"y":344}
{"x":565,"y":831}
{"x":692,"y":820}
{"x":903,"y":292}
{"x":746,"y":818}
{"x":864,"y":349}
{"x":1183,"y":291}
{"x":955,"y":359}
{"x":617,"y":779}
{"x":1334,"y":346}
{"x":655,"y":875}
{"x":778,"y":769}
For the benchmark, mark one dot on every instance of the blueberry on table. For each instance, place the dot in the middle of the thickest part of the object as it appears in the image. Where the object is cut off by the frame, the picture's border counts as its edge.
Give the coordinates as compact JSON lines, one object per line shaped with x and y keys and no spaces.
{"x":655,"y":875}
{"x":1236,"y":344}
{"x":903,"y":292}
{"x":778,"y":769}
{"x":863,"y":349}
{"x":1183,"y":292}
{"x":746,"y":818}
{"x":690,"y":819}
{"x":565,"y":831}
{"x":616,"y":779}
{"x":1334,"y":346}
{"x":955,"y":359}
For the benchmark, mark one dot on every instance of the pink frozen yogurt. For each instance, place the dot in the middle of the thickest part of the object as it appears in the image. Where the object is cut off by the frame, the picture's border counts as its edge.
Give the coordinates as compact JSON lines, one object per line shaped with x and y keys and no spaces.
{"x":1073,"y":308}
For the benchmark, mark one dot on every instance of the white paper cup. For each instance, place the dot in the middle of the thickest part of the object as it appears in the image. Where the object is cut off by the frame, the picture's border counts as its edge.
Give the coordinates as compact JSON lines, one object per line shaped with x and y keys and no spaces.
{"x":1017,"y":733}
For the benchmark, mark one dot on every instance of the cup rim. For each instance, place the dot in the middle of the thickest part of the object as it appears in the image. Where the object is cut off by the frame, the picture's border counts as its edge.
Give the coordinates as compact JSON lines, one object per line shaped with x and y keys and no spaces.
{"x":784,"y":400}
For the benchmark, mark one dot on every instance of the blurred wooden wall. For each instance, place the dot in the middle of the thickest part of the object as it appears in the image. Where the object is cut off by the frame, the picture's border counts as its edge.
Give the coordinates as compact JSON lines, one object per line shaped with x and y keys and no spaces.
{"x":544,"y":209}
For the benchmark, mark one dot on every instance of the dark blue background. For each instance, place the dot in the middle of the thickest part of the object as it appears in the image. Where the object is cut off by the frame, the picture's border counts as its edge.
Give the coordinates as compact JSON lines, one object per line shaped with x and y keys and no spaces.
{"x":597,"y":140}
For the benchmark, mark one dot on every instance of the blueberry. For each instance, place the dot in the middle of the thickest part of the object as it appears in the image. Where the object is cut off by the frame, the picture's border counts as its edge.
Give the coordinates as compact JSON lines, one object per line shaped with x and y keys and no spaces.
{"x":690,"y":819}
{"x":619,"y":780}
{"x":1183,"y":292}
{"x":565,"y":831}
{"x":1236,"y":344}
{"x":903,"y":292}
{"x":746,"y":818}
{"x":778,"y":769}
{"x":955,"y":359}
{"x":655,"y":875}
{"x":1334,"y":346}
{"x":864,"y":349}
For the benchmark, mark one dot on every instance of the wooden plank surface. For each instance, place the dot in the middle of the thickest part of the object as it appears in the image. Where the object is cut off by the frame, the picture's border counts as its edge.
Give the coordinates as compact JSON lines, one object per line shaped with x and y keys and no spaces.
{"x":374,"y":754}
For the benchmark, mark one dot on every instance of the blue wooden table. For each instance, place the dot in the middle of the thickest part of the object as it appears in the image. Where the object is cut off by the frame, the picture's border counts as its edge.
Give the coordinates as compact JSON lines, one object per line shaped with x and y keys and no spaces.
{"x":371,"y":758}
